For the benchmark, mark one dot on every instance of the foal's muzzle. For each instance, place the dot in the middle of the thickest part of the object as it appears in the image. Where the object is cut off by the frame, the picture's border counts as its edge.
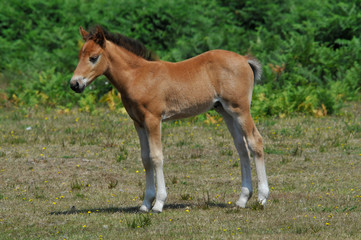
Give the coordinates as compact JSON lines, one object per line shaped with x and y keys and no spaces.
{"x":77,"y":85}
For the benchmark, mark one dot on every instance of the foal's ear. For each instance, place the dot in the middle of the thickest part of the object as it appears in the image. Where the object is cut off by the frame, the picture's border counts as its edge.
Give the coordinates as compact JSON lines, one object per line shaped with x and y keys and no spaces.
{"x":99,"y":37}
{"x":83,"y":33}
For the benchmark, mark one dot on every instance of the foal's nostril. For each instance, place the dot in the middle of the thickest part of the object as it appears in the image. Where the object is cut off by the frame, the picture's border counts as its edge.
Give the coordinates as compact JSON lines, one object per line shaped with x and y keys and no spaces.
{"x":74,"y":86}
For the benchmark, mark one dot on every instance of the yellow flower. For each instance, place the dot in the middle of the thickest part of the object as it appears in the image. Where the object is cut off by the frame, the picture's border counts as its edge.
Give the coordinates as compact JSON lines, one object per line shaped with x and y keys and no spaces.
{"x":84,"y":226}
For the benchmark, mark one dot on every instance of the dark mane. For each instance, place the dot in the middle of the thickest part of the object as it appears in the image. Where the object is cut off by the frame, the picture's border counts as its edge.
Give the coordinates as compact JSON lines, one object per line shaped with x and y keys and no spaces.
{"x":130,"y":44}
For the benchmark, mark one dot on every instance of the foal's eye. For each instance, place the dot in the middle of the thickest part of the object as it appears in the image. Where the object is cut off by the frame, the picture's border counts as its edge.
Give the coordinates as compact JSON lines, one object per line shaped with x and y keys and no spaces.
{"x":93,"y":59}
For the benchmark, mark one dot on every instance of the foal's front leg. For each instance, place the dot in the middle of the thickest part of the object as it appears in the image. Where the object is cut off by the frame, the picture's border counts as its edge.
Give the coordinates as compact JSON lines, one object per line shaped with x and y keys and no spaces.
{"x":149,"y":170}
{"x":153,"y":129}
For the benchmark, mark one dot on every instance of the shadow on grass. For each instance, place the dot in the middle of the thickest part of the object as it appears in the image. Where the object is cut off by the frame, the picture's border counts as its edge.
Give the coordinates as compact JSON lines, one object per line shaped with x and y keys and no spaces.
{"x":73,"y":210}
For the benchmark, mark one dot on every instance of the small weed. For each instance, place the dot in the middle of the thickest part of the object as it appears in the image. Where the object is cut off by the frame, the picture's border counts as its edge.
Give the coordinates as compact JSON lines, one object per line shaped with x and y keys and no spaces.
{"x":139,"y":221}
{"x":198,"y":146}
{"x":76,"y":185}
{"x":2,"y":154}
{"x":39,"y":196}
{"x":349,"y":209}
{"x":113,"y":183}
{"x":297,"y":131}
{"x":1,"y":196}
{"x":285,"y":132}
{"x":297,"y":151}
{"x":257,"y":206}
{"x":39,"y":193}
{"x":185,"y":196}
{"x":123,"y":154}
{"x":207,"y":201}
{"x":140,"y":183}
{"x":352,"y":128}
{"x":196,"y":153}
{"x":285,"y":160}
{"x":174,"y":180}
{"x":289,"y":187}
{"x":272,"y":151}
{"x":234,"y":210}
{"x":300,"y":230}
{"x":235,"y":164}
{"x":141,"y":197}
{"x":315,"y":229}
{"x":16,"y":140}
{"x":269,"y":122}
{"x":17,"y":155}
{"x":69,"y":130}
{"x":79,"y":195}
{"x":181,"y":143}
{"x":226,"y":152}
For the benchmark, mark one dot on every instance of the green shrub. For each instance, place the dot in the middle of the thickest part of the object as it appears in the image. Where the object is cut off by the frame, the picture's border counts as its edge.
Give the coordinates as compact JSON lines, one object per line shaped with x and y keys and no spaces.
{"x":310,"y":50}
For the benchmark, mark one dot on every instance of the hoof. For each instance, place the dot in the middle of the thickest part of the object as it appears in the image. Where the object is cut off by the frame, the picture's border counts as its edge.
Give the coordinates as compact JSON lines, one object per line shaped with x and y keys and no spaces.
{"x":262,"y":201}
{"x":242,"y":202}
{"x":246,"y":194}
{"x":263,"y":195}
{"x":156,"y":211}
{"x":144,"y":209}
{"x":158,"y":207}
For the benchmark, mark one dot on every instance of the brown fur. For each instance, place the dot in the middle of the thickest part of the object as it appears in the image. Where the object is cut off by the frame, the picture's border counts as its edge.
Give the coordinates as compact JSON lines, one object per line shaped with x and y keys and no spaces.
{"x":154,"y":91}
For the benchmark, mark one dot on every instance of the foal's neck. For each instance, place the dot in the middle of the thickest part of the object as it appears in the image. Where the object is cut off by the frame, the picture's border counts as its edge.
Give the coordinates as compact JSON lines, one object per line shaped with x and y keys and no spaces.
{"x":122,"y":66}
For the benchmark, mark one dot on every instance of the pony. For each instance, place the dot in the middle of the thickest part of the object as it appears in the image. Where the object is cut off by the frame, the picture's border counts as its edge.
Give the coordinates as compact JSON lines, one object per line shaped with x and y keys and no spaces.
{"x":153,"y":91}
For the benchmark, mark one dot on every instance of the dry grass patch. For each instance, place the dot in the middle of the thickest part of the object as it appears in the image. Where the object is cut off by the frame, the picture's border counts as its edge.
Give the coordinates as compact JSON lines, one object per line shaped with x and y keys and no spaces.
{"x":79,"y":176}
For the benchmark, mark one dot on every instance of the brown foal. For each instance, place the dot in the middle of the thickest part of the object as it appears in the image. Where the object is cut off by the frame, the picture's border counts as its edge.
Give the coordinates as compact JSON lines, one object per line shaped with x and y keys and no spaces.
{"x":153,"y":91}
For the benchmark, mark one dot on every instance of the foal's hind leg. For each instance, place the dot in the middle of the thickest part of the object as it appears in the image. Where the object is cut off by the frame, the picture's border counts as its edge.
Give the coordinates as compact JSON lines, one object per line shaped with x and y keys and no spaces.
{"x":246,"y":125}
{"x":246,"y":185}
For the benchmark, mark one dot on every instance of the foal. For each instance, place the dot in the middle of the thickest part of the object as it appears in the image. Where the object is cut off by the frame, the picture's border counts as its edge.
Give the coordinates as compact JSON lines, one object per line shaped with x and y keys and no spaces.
{"x":153,"y":91}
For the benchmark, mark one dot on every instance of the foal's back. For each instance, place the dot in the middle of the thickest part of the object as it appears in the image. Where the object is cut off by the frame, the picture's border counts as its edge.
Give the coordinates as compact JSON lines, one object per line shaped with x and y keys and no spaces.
{"x":193,"y":86}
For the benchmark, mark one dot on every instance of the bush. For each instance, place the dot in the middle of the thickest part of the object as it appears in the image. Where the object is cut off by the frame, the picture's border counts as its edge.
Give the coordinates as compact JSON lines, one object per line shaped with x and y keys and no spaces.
{"x":310,"y":49}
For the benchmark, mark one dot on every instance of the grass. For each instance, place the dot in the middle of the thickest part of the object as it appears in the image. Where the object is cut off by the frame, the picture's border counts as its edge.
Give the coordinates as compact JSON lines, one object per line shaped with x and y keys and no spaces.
{"x":79,"y":176}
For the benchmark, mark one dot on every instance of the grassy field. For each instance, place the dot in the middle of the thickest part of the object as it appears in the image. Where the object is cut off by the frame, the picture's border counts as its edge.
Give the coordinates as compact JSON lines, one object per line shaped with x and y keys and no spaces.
{"x":73,"y":175}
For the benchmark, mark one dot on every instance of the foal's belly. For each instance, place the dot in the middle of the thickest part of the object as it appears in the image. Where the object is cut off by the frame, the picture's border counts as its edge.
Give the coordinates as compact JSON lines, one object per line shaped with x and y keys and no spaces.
{"x":186,"y":110}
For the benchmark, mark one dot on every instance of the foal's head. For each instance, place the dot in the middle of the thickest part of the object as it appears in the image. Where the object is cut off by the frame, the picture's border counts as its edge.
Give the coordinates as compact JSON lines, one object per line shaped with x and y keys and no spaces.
{"x":92,"y":61}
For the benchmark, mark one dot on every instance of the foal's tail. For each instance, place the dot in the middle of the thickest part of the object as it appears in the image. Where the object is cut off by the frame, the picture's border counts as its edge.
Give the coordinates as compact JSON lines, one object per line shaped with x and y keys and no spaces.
{"x":256,"y":67}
